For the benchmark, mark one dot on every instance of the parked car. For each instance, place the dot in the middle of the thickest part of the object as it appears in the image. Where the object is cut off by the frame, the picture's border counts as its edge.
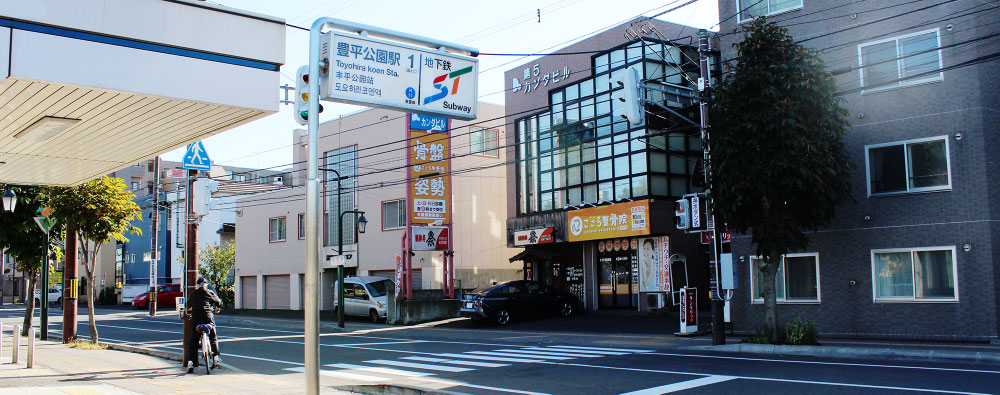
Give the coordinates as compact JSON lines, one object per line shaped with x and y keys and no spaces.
{"x":365,"y":296}
{"x":55,"y":296}
{"x":501,"y":302}
{"x":165,"y":296}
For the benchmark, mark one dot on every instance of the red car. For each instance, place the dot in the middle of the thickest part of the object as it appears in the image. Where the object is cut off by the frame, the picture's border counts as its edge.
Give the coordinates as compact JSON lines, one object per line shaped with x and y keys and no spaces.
{"x":165,"y":296}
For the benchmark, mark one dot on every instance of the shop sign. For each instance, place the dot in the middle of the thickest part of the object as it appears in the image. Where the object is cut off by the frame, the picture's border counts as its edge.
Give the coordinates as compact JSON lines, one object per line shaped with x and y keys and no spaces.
{"x":533,"y":236}
{"x":654,"y":264}
{"x":377,"y":73}
{"x":607,"y":222}
{"x":428,"y":171}
{"x":399,"y":274}
{"x":726,"y":236}
{"x":430,"y":238}
{"x":689,"y":310}
{"x":695,"y":212}
{"x":532,"y":79}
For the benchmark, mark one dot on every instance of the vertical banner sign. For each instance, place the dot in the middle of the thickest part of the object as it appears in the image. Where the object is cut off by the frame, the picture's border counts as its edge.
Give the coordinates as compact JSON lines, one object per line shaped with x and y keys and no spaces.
{"x":695,"y":212}
{"x":689,"y":311}
{"x":399,"y":274}
{"x":663,"y":258}
{"x":428,"y":170}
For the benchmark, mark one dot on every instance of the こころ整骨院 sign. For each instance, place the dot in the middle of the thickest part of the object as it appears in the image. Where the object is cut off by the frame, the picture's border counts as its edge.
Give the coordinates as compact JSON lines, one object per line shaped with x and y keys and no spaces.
{"x":607,"y":222}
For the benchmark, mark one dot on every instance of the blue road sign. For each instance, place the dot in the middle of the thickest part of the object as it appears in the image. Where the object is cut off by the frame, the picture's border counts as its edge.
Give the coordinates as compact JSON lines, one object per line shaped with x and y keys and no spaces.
{"x":196,"y":158}
{"x":428,"y":123}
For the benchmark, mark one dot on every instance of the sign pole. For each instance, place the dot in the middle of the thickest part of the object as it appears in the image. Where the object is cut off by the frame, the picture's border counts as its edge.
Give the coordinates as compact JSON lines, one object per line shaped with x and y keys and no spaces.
{"x":153,"y":256}
{"x":69,"y":288}
{"x":45,"y":291}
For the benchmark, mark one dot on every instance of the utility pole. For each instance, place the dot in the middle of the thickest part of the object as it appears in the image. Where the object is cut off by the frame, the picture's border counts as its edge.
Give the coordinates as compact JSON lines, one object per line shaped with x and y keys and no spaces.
{"x":718,"y":331}
{"x":70,"y":287}
{"x":190,"y":260}
{"x":153,"y":256}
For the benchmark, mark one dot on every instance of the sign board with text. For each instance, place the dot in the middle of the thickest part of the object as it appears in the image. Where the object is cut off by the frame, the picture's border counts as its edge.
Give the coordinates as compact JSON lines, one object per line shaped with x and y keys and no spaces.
{"x":533,"y":236}
{"x":607,"y":222}
{"x":689,"y":311}
{"x":430,"y":238}
{"x":428,"y":171}
{"x":378,"y":73}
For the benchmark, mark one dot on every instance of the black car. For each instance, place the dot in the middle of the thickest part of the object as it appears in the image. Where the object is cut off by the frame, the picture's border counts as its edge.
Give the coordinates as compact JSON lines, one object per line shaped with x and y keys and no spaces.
{"x":501,"y":302}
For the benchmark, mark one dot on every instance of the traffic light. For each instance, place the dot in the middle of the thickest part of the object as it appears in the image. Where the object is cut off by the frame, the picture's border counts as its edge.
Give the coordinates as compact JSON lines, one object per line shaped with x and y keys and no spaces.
{"x":682,"y":214}
{"x":202,"y":190}
{"x":632,"y":96}
{"x":302,"y":96}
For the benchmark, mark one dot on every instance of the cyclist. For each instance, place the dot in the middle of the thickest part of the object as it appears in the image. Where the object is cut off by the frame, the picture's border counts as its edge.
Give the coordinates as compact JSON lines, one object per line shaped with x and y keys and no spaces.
{"x":200,"y":305}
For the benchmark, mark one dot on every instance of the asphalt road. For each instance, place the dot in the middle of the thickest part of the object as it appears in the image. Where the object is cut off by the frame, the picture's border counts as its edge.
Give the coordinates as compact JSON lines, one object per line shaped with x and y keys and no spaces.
{"x":527,"y":358}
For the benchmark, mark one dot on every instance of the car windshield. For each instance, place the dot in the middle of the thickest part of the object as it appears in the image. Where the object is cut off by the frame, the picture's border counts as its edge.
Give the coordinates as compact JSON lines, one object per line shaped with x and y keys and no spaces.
{"x":380,"y":288}
{"x":483,"y":289}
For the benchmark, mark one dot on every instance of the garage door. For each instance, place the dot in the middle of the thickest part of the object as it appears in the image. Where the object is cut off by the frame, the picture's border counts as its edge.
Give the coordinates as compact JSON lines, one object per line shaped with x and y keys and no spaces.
{"x":276,"y":292}
{"x":248,"y":291}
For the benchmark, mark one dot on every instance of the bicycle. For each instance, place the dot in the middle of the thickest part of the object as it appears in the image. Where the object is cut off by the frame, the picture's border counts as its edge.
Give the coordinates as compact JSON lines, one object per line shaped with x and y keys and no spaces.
{"x":206,"y":349}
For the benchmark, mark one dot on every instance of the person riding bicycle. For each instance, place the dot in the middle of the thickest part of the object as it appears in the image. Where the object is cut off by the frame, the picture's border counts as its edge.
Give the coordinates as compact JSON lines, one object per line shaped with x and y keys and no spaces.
{"x":200,"y":305}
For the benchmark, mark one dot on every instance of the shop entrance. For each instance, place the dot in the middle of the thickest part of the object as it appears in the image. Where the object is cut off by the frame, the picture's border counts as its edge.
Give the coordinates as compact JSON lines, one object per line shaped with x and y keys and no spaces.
{"x":618,"y":273}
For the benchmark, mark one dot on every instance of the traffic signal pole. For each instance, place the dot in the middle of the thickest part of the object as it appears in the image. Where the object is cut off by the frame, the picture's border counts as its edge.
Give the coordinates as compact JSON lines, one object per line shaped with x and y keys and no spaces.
{"x":718,"y":330}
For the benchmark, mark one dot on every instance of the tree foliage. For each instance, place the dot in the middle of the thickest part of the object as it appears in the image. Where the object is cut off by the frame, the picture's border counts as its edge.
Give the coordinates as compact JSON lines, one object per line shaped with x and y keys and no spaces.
{"x":23,"y":240}
{"x":778,"y":160}
{"x":215,"y":264}
{"x":99,"y":211}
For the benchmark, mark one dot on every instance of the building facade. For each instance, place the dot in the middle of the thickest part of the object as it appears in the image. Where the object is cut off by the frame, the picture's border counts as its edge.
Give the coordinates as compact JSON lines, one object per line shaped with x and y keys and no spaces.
{"x":367,"y":150}
{"x":915,"y":255}
{"x":593,"y":193}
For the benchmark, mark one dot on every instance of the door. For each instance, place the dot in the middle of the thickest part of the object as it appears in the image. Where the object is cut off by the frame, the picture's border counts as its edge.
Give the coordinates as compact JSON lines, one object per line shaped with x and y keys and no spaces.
{"x":277,"y":293}
{"x":248,"y":292}
{"x":358,"y":303}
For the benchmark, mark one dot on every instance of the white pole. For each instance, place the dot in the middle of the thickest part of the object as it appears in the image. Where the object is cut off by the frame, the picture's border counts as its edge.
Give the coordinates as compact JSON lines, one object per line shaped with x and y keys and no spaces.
{"x":31,"y":347}
{"x":16,"y":342}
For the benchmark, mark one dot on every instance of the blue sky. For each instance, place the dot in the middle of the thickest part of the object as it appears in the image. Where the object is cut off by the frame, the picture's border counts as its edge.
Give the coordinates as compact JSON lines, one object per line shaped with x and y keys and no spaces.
{"x":510,"y":26}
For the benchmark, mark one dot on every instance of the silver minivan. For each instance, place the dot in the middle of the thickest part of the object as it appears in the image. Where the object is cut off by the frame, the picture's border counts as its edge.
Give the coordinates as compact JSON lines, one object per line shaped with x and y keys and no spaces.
{"x":365,"y":296}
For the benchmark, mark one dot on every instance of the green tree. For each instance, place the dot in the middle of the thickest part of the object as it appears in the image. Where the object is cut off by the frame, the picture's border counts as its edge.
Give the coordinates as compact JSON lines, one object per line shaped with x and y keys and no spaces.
{"x":778,"y":160}
{"x":23,"y":240}
{"x":216,"y":263}
{"x":100,"y":210}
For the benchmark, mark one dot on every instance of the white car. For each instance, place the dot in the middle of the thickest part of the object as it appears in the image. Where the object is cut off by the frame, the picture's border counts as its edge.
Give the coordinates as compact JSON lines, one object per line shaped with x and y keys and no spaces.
{"x":55,"y":296}
{"x":366,"y":296}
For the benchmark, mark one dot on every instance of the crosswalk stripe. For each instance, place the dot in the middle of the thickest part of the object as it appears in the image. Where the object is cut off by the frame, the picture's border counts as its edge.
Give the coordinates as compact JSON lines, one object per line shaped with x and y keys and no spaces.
{"x":506,"y":354}
{"x":457,"y":362}
{"x":340,"y":374}
{"x":397,"y":372}
{"x":558,"y":354}
{"x":485,"y":358}
{"x":419,"y":365}
{"x":681,"y":386}
{"x":604,"y":349}
{"x":575,"y":350}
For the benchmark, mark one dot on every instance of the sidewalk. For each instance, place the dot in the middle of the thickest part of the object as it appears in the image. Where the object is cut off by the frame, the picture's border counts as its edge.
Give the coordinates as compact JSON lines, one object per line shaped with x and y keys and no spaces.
{"x":59,"y":369}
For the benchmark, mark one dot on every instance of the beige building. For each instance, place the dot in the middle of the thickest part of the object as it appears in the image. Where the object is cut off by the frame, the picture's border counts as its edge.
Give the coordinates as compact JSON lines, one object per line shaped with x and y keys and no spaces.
{"x":367,"y":148}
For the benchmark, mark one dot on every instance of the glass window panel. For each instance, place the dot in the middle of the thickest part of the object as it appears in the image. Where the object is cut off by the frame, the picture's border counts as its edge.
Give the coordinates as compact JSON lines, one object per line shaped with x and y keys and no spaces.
{"x":573,"y":113}
{"x":600,"y":64}
{"x":572,"y":92}
{"x":546,"y":180}
{"x":879,"y":64}
{"x":574,"y":196}
{"x":694,"y":143}
{"x":590,"y":193}
{"x":781,"y":5}
{"x":587,"y":110}
{"x":604,"y":131}
{"x":758,"y":280}
{"x":602,"y":83}
{"x":558,"y":199}
{"x":558,"y":117}
{"x":603,"y":106}
{"x":545,"y":162}
{"x":545,"y":142}
{"x":676,"y":141}
{"x":639,"y":186}
{"x":887,"y":169}
{"x":634,"y":52}
{"x":559,"y":178}
{"x":604,"y":148}
{"x":603,"y":121}
{"x":557,"y":97}
{"x":543,"y":123}
{"x":658,"y":186}
{"x":588,"y":152}
{"x":654,"y":71}
{"x":621,"y":166}
{"x":914,"y":62}
{"x":573,"y":155}
{"x":573,"y":175}
{"x":928,"y":164}
{"x":752,"y":8}
{"x":590,"y":172}
{"x":547,"y":201}
{"x":636,"y":143}
{"x":639,"y":163}
{"x":604,"y":169}
{"x":672,"y":54}
{"x":678,"y":164}
{"x":678,"y":186}
{"x":658,"y":162}
{"x":617,"y":58}
{"x":605,"y":191}
{"x":586,"y":88}
{"x":934,"y":274}
{"x":894,"y":275}
{"x":621,"y":143}
{"x":623,"y":189}
{"x":619,"y":127}
{"x":800,"y":278}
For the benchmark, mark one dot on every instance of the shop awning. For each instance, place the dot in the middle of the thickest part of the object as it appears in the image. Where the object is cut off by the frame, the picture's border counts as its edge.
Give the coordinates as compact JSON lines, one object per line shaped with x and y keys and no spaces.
{"x":528,"y":255}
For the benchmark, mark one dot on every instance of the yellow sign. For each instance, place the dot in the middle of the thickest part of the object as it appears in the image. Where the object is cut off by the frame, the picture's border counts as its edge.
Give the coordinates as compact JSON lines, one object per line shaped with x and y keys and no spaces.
{"x":72,"y":288}
{"x":55,"y":280}
{"x":607,"y":222}
{"x":429,"y":169}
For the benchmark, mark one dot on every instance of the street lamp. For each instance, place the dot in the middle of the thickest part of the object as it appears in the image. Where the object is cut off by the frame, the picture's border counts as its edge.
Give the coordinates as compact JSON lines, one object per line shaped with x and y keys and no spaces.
{"x":362,"y":223}
{"x":9,"y":200}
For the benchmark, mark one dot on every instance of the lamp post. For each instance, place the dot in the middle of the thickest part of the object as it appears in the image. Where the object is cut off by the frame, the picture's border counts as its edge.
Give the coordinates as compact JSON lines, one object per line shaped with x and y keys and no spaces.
{"x":362,"y":223}
{"x":9,"y":201}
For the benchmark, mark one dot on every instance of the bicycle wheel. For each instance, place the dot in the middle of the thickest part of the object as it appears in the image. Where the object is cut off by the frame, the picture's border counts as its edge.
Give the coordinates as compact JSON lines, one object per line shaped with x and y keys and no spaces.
{"x":206,"y":353}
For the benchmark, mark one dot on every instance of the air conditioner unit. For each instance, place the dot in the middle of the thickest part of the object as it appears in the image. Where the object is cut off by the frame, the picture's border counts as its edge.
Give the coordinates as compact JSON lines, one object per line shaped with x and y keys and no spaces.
{"x":656,"y":301}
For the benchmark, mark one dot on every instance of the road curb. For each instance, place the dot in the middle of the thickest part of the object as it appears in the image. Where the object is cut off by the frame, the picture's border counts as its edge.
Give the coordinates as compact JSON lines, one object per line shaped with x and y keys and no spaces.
{"x":392,"y":389}
{"x":854,"y":352}
{"x":161,"y":354}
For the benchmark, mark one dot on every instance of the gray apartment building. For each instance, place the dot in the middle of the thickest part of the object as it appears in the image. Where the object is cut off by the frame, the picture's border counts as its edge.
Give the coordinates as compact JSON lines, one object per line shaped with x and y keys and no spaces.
{"x":915,"y":255}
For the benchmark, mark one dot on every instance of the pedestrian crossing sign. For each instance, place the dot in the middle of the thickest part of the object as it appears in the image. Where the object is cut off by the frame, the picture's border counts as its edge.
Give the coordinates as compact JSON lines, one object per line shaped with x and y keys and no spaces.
{"x":196,"y":158}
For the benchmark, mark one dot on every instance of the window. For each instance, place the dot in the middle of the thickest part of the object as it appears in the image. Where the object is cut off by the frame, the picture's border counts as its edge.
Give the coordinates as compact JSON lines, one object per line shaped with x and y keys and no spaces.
{"x":914,"y":275}
{"x":484,"y":142}
{"x":901,"y":61}
{"x":909,"y":166}
{"x":345,"y":162}
{"x":302,"y":226}
{"x":750,"y":9}
{"x":394,"y":214}
{"x":135,"y":186}
{"x":276,"y":231}
{"x":797,"y":279}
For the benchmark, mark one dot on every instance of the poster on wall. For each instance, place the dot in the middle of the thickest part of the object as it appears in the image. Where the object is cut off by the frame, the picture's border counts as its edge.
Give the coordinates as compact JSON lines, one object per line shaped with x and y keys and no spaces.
{"x":654,"y":264}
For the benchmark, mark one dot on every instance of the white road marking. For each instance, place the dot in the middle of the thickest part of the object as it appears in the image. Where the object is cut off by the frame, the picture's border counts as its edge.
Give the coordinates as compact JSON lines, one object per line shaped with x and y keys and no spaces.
{"x":870,"y":365}
{"x":484,"y":387}
{"x":604,"y":349}
{"x":558,"y":354}
{"x":507,"y":354}
{"x":683,"y":385}
{"x":378,"y":343}
{"x":395,"y":372}
{"x":457,"y":362}
{"x":419,"y":365}
{"x":485,"y":358}
{"x":576,"y":351}
{"x":341,"y":374}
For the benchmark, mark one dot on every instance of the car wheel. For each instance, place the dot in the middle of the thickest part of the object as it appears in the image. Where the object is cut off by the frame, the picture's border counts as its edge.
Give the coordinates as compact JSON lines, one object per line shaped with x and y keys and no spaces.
{"x":502,"y":317}
{"x":566,"y":309}
{"x":373,"y":316}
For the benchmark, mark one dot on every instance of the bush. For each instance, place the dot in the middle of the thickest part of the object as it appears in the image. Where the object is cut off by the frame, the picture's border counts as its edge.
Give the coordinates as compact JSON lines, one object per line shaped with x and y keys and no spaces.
{"x":107,"y":296}
{"x":227,"y":294}
{"x":801,"y":332}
